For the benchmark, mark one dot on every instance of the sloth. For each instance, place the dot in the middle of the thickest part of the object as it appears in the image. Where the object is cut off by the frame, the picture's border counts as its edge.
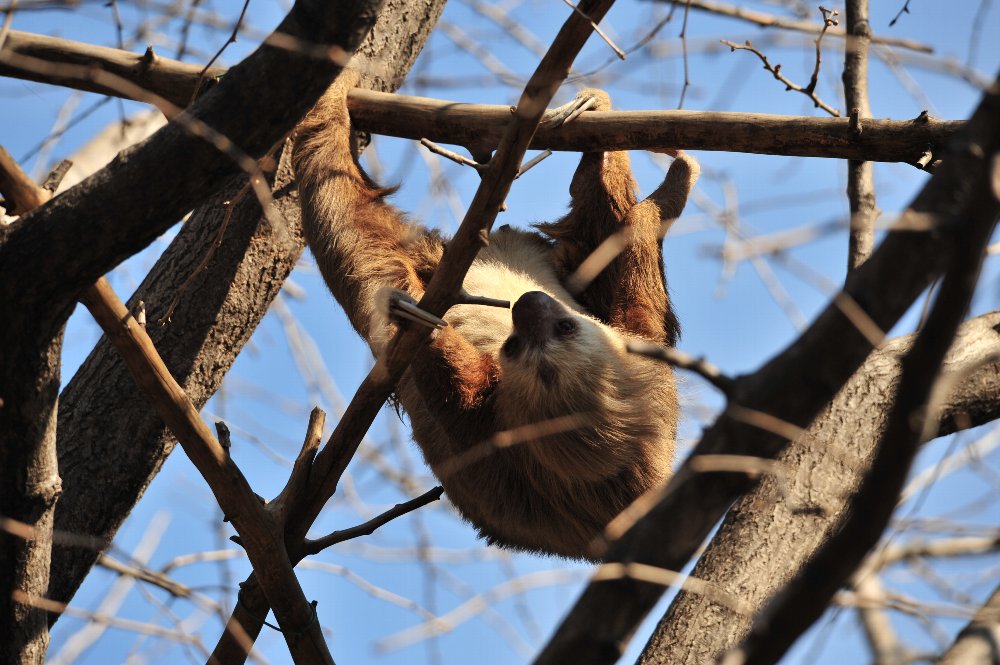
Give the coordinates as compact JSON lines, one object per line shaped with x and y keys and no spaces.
{"x":575,"y":426}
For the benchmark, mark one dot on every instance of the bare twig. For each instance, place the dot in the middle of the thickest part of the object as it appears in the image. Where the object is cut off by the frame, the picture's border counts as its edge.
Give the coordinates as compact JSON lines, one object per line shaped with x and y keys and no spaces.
{"x":231,"y":40}
{"x":776,"y":72}
{"x":20,"y":193}
{"x":699,"y":366}
{"x":263,"y":542}
{"x":453,"y":156}
{"x":369,"y":527}
{"x":770,"y":21}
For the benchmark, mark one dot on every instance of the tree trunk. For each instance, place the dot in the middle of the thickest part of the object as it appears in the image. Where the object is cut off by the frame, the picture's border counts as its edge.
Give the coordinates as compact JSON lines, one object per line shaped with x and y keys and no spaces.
{"x":772,"y":531}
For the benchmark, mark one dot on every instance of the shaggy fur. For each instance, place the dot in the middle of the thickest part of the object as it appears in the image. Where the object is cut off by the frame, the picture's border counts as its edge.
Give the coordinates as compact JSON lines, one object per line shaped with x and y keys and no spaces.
{"x":539,"y":424}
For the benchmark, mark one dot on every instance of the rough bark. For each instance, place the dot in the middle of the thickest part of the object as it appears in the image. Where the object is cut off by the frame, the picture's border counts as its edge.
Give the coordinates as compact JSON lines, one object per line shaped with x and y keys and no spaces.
{"x":209,"y":328}
{"x":773,"y":531}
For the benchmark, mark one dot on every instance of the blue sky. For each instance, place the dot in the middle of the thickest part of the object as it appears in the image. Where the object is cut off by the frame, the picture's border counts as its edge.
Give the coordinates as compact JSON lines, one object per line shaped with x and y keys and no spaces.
{"x":732,"y":319}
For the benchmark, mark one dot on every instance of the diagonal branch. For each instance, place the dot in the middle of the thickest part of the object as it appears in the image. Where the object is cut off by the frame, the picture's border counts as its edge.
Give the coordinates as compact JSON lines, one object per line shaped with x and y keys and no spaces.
{"x":273,"y":87}
{"x":260,"y":535}
{"x":911,"y":421}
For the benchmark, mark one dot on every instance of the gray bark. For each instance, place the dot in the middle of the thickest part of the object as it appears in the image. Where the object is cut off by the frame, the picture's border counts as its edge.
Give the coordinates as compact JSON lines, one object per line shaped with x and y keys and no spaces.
{"x":773,"y":531}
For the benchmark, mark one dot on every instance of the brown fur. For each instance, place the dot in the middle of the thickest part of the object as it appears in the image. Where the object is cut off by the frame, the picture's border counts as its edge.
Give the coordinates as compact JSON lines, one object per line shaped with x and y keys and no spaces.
{"x":556,"y":486}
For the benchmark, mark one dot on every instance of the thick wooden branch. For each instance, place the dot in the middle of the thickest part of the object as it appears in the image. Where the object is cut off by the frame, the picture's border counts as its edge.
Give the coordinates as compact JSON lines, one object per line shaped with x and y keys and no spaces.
{"x":791,"y":388}
{"x":30,"y":485}
{"x":829,"y":460}
{"x":273,"y":87}
{"x":910,"y":422}
{"x":479,"y":127}
{"x":212,"y":323}
{"x":170,"y":79}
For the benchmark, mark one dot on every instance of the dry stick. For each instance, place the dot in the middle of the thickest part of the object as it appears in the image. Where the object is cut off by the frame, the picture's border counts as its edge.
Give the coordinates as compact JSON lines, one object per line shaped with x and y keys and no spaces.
{"x":218,"y":54}
{"x":793,"y":387}
{"x":260,"y":534}
{"x":474,"y":124}
{"x":806,"y":597}
{"x":443,"y":290}
{"x":25,"y":194}
{"x":808,"y":90}
{"x":771,"y":21}
{"x":173,"y":80}
{"x":369,"y":527}
{"x":860,"y":178}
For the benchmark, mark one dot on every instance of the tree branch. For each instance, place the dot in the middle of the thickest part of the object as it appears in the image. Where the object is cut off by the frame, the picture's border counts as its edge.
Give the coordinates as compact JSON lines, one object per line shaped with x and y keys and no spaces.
{"x":977,"y":643}
{"x":830,"y":459}
{"x":911,"y":421}
{"x":170,"y":79}
{"x":860,"y":178}
{"x":273,"y":87}
{"x":480,"y":126}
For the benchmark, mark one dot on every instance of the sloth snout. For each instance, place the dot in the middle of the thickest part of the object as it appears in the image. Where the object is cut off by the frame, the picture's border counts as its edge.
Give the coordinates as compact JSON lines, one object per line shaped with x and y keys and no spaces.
{"x":533,"y":314}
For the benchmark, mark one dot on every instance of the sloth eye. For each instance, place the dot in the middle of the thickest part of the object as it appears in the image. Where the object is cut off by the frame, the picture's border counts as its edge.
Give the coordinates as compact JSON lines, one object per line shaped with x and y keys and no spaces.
{"x":511,"y":347}
{"x":565,"y":327}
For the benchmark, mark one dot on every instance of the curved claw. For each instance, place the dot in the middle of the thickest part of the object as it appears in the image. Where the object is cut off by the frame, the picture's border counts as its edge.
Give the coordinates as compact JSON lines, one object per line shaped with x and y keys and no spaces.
{"x":408,"y":310}
{"x":569,"y":112}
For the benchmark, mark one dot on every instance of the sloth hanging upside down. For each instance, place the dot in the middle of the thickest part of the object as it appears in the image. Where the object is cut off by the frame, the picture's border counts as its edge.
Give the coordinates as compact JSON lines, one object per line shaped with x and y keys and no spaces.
{"x":588,"y":426}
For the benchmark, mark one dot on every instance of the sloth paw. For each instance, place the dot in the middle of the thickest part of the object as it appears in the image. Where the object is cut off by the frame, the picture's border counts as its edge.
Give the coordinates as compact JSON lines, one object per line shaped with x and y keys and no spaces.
{"x":396,"y":304}
{"x":585,"y":100}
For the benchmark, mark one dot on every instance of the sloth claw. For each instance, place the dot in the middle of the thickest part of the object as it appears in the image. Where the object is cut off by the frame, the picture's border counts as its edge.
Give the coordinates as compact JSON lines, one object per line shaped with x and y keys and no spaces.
{"x":403,"y":306}
{"x":569,"y":112}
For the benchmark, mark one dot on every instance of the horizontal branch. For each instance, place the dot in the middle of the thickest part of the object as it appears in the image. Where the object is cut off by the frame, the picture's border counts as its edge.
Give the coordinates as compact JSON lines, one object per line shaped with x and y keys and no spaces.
{"x":480,"y":126}
{"x":170,"y":79}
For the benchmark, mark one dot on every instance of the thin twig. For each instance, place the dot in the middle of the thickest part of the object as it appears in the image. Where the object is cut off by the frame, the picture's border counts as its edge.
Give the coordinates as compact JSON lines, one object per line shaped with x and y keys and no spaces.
{"x":600,"y":33}
{"x":231,"y":40}
{"x":776,"y":72}
{"x":681,"y":360}
{"x":369,"y":527}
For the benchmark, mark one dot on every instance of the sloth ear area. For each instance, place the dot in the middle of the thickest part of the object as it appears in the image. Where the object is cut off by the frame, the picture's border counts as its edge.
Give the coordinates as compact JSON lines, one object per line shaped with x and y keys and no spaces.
{"x":397,"y":305}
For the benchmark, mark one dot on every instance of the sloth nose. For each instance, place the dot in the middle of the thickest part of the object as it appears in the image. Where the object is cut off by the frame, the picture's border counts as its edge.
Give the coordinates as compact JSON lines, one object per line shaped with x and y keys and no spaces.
{"x":533,"y":313}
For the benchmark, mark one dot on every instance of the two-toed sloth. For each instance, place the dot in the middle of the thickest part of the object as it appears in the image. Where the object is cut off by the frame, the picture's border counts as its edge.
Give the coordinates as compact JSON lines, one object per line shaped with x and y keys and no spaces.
{"x":553,"y":356}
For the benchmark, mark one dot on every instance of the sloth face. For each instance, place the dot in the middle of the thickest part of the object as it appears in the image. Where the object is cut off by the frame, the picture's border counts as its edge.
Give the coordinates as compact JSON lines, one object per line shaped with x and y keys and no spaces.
{"x":549,"y":342}
{"x":539,"y":320}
